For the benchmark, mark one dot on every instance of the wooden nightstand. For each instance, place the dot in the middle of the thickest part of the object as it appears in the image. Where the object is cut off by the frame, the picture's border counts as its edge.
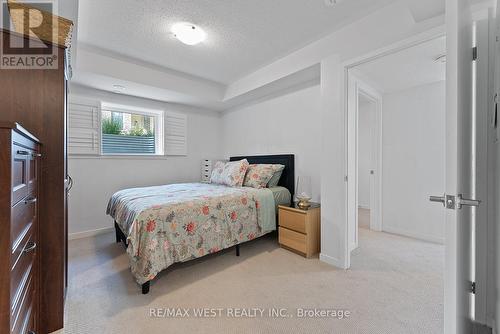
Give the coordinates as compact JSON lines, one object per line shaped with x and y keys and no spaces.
{"x":299,"y":230}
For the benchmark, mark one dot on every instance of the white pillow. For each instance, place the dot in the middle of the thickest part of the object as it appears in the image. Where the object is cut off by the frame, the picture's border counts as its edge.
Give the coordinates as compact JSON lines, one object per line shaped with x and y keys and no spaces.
{"x":229,"y":173}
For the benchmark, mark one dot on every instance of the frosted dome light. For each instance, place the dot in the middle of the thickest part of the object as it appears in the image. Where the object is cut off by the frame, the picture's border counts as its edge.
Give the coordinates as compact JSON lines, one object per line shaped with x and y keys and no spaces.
{"x":188,"y":33}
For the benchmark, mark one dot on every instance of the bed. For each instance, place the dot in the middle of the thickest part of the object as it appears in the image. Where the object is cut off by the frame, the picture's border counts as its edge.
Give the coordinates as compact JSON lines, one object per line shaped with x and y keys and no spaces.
{"x":168,"y":224}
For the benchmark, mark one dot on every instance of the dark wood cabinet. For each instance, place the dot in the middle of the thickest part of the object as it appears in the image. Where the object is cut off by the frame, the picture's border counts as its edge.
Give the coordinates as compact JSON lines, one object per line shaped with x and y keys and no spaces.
{"x":36,"y":99}
{"x":19,"y":230}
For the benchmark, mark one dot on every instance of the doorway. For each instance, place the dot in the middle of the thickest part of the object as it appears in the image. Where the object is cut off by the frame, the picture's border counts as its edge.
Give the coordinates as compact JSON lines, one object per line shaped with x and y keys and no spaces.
{"x":396,"y":143}
{"x":366,"y":103}
{"x":367,"y":107}
{"x":459,"y":271}
{"x":396,"y":115}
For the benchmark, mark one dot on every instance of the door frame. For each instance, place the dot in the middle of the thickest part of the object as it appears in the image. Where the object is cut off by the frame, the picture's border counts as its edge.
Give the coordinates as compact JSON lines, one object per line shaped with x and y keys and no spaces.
{"x":485,"y":221}
{"x":357,"y":86}
{"x":350,"y":125}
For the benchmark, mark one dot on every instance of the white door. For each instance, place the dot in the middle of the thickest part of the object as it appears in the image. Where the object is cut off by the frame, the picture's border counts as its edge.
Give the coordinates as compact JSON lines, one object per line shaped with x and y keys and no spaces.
{"x":459,"y":162}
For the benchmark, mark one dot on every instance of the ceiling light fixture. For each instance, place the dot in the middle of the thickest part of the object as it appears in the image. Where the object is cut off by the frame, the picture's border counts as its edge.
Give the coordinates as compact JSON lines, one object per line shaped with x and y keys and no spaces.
{"x":188,"y":33}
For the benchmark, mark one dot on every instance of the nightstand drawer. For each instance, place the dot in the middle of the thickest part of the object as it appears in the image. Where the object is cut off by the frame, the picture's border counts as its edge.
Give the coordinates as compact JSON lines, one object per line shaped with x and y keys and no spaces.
{"x":292,"y":220}
{"x":292,"y":239}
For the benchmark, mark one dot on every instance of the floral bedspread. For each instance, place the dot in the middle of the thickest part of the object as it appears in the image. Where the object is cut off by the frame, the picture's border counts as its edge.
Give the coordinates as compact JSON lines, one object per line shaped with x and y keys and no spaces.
{"x":179,"y":222}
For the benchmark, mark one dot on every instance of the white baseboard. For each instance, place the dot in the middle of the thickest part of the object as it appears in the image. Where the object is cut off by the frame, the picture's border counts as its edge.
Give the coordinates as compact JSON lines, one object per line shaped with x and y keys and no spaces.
{"x":424,"y":237}
{"x":332,"y":261}
{"x":91,"y":233}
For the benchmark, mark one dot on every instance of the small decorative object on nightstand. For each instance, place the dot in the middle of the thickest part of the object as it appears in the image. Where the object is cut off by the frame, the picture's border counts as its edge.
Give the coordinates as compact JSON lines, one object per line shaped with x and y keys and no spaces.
{"x":304,"y":192}
{"x":206,"y":171}
{"x":299,"y":229}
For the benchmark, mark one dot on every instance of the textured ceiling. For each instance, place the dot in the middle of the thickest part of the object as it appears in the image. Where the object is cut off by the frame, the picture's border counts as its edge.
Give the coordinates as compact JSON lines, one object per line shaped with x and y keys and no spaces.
{"x":424,"y":9}
{"x":243,"y":35}
{"x":408,"y":68}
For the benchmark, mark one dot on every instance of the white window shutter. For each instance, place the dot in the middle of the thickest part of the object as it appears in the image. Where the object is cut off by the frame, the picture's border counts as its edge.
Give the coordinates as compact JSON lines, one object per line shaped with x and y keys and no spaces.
{"x":175,"y":134}
{"x":83,"y":129}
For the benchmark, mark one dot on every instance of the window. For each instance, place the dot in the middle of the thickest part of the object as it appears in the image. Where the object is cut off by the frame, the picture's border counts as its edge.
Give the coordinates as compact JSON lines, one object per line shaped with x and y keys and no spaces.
{"x":175,"y":134}
{"x":98,"y":128}
{"x":131,"y":131}
{"x":83,"y":134}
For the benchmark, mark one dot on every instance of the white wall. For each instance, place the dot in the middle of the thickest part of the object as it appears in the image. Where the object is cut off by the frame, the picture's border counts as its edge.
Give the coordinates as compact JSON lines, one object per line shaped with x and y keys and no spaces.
{"x":334,"y":229}
{"x":414,"y":161}
{"x":285,"y":124}
{"x":365,"y":129}
{"x":308,"y":122}
{"x":97,"y":178}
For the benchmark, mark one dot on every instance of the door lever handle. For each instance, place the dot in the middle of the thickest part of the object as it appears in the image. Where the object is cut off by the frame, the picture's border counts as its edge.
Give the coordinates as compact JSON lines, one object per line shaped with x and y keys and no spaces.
{"x":438,"y":199}
{"x":467,"y":202}
{"x":448,"y":201}
{"x":454,"y":202}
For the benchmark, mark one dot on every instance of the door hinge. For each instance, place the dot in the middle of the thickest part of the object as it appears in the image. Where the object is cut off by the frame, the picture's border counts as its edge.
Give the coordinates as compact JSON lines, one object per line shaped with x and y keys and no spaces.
{"x":346,"y":178}
{"x":474,"y":53}
{"x":473,"y":288}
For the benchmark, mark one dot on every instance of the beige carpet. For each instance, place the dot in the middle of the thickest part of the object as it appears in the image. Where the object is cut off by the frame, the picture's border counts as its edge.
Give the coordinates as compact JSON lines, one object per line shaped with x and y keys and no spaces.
{"x":394,"y":286}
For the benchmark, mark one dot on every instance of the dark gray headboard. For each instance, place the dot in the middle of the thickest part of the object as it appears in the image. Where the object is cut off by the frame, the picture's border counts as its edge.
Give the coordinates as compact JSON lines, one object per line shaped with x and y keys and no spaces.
{"x":287,"y":179}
